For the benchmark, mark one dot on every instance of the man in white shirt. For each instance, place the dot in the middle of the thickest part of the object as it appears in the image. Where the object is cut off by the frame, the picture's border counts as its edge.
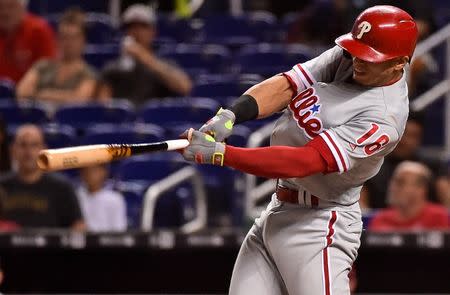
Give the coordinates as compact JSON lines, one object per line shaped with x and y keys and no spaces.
{"x":103,"y":209}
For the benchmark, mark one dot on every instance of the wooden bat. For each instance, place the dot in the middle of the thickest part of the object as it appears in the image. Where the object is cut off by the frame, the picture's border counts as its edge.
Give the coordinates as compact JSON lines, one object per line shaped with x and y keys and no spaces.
{"x":86,"y":155}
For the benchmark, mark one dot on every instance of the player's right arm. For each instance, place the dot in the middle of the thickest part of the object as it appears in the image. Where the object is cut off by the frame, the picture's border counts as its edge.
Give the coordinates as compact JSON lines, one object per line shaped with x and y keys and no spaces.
{"x":275,"y":93}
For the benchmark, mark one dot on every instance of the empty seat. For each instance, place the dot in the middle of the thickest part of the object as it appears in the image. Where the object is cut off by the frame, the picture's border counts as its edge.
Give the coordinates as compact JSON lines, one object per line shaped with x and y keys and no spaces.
{"x":265,"y":26}
{"x":7,"y":89}
{"x":59,"y":136}
{"x":26,"y":112}
{"x":43,"y":7}
{"x":81,"y":116}
{"x":237,"y":30}
{"x":182,"y":30}
{"x":99,"y":55}
{"x":240,"y":136}
{"x":116,"y":134}
{"x":100,"y":28}
{"x":134,"y":175}
{"x":221,"y":88}
{"x":213,"y":58}
{"x":171,"y":111}
{"x":270,"y":59}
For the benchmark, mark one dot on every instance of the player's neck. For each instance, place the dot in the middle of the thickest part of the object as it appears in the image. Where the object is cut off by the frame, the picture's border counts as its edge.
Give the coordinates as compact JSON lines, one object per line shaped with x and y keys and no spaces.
{"x":394,"y":78}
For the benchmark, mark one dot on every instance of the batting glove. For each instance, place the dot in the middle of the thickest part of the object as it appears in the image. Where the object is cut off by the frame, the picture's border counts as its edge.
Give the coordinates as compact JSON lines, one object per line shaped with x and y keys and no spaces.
{"x":203,"y":149}
{"x":220,"y":126}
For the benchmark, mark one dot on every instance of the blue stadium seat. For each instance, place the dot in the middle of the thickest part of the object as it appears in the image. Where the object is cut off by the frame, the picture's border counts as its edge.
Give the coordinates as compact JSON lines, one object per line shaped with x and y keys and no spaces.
{"x":99,"y":55}
{"x":82,"y":116}
{"x":270,"y":59}
{"x":114,"y":133}
{"x":175,"y":129}
{"x":228,"y":30}
{"x":7,"y":89}
{"x":222,"y":88}
{"x":220,"y":191}
{"x":265,"y":26}
{"x":238,"y":30}
{"x":17,"y":114}
{"x":190,"y":109}
{"x":182,"y":30}
{"x":367,"y":218}
{"x":100,"y":29}
{"x":134,"y":175}
{"x":213,"y":58}
{"x":44,"y":7}
{"x":240,"y":136}
{"x":256,"y":124}
{"x":59,"y":136}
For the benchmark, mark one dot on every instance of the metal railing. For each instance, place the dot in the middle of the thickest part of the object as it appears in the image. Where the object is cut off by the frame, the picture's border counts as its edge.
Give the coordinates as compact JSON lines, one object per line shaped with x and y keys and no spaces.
{"x":156,"y":190}
{"x":442,"y":88}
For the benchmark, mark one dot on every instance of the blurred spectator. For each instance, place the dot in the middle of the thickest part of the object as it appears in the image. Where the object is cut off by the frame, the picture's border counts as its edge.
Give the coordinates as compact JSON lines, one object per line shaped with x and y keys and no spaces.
{"x":103,"y":209}
{"x":139,"y":74}
{"x":34,"y":199}
{"x":24,"y":39}
{"x":409,"y":207}
{"x":443,"y":188}
{"x":5,"y":164}
{"x":407,"y":149}
{"x":68,"y":78}
{"x":309,"y":27}
{"x":6,"y":225}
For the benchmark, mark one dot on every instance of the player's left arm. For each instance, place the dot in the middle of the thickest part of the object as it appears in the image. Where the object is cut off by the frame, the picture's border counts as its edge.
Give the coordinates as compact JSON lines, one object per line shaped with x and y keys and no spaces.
{"x":269,"y":162}
{"x":335,"y":150}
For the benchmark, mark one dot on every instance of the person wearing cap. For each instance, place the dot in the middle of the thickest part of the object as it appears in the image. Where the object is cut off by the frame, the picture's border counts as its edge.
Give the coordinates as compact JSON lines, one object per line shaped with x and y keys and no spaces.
{"x":343,"y":112}
{"x":139,"y":74}
{"x":409,"y":205}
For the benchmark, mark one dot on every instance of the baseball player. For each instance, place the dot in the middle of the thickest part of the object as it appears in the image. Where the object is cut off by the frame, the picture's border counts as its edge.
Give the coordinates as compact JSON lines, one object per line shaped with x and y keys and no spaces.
{"x":343,"y":112}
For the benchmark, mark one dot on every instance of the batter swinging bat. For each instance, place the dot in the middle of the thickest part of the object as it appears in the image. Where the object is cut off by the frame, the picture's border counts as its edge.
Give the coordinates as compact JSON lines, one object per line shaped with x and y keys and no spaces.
{"x":86,"y":155}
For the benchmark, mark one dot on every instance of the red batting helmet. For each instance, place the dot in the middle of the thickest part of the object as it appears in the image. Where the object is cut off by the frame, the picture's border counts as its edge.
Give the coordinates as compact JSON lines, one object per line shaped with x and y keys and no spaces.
{"x":381,"y":33}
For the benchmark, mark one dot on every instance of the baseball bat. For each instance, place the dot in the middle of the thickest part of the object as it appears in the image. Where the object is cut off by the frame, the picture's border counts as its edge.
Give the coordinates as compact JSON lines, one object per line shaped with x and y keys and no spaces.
{"x":86,"y":155}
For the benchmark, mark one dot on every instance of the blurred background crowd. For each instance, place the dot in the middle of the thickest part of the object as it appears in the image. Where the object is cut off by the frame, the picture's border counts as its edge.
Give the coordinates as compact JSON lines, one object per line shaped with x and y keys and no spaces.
{"x":88,"y":72}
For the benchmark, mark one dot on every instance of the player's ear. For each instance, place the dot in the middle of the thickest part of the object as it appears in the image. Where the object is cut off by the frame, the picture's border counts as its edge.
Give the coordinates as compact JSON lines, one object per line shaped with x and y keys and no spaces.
{"x":401,"y":63}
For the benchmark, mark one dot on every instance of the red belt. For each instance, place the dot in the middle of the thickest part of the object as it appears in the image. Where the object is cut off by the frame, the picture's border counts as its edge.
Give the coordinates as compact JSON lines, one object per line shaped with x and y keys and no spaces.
{"x":292,"y":196}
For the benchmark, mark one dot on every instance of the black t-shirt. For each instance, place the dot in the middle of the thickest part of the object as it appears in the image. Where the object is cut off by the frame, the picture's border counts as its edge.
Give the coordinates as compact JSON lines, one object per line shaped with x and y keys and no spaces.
{"x":49,"y":202}
{"x":137,"y":84}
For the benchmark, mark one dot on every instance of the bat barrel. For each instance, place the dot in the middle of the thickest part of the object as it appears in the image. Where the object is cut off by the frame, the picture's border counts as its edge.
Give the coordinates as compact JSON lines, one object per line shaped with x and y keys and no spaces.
{"x":82,"y":156}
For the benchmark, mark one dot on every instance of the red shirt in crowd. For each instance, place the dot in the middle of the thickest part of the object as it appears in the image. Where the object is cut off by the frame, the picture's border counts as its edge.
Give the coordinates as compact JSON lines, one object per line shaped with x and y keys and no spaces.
{"x":32,"y":40}
{"x":432,"y":216}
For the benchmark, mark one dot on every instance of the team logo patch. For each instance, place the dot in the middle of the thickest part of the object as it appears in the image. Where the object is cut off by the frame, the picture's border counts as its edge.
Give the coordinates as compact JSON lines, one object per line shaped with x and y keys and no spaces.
{"x":305,"y":108}
{"x":364,"y":27}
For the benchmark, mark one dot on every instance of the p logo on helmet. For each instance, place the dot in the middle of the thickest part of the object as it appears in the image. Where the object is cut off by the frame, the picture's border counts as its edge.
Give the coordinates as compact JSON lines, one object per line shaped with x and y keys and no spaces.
{"x":364,"y":27}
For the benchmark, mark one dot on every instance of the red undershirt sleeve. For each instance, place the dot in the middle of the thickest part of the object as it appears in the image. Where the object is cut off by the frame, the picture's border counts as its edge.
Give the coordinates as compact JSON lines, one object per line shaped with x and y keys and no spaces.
{"x":282,"y":161}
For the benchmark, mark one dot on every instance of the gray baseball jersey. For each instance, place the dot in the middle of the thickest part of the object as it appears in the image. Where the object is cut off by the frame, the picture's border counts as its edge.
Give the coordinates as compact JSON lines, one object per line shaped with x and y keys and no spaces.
{"x":360,"y":125}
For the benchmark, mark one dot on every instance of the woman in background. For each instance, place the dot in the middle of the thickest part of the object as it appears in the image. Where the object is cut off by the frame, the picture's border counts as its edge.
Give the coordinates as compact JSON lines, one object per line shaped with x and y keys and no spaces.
{"x":68,"y":78}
